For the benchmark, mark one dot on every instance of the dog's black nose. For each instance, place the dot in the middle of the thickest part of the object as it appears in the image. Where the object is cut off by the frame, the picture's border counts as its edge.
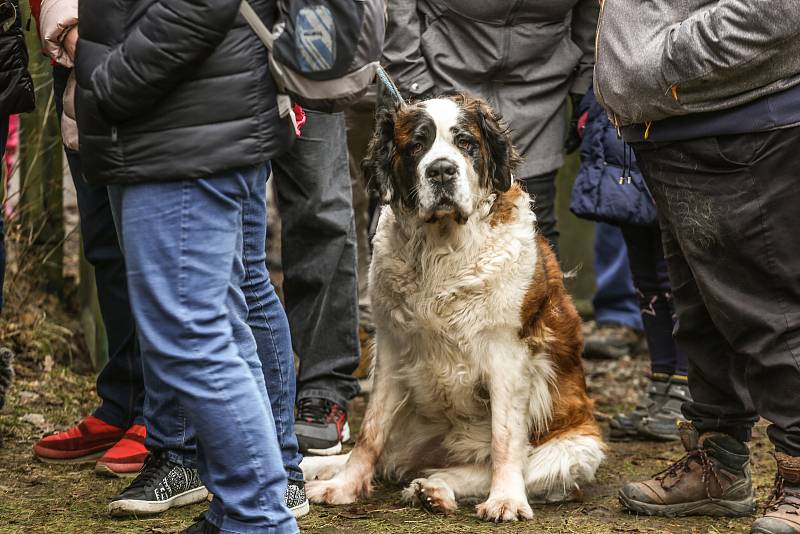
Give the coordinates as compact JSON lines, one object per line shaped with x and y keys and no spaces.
{"x":441,"y":170}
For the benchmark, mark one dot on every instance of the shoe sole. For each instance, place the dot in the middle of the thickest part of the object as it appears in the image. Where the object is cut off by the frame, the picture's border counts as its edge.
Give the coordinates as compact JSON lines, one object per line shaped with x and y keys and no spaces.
{"x":301,"y":509}
{"x":336,"y":449}
{"x":126,"y":507}
{"x":107,"y":471}
{"x":710,"y":507}
{"x":762,"y":530}
{"x":92,"y":457}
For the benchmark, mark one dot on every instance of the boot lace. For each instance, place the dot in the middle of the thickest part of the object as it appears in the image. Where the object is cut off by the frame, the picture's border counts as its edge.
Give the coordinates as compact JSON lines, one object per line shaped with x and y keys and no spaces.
{"x":778,"y":497}
{"x":672,"y":475}
{"x":154,"y":469}
{"x":315,"y":410}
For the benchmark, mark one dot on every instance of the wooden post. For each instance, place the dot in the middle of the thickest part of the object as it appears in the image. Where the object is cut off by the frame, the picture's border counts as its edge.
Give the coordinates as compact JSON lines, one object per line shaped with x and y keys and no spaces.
{"x":41,"y":192}
{"x":94,"y":331}
{"x":577,"y":240}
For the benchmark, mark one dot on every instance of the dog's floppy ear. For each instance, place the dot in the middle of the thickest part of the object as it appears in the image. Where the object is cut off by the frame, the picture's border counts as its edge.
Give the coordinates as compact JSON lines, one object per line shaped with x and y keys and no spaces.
{"x":503,"y":157}
{"x":377,"y":165}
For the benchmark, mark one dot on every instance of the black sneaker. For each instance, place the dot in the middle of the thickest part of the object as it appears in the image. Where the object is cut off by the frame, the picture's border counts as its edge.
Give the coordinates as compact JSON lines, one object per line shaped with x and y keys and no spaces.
{"x":296,"y":500}
{"x":321,"y":427}
{"x":201,"y":527}
{"x":160,"y":485}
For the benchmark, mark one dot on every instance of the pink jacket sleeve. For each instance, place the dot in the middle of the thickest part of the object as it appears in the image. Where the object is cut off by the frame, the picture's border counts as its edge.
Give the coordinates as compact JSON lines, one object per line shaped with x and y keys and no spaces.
{"x":57,"y":18}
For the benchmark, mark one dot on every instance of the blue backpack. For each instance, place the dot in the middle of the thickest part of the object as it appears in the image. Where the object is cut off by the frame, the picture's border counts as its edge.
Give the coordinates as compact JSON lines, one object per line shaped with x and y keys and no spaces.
{"x":323,"y":53}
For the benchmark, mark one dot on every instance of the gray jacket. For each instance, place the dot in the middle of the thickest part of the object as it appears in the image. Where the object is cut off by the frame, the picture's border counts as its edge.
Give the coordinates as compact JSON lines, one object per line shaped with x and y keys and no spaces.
{"x":523,"y":56}
{"x":662,"y":58}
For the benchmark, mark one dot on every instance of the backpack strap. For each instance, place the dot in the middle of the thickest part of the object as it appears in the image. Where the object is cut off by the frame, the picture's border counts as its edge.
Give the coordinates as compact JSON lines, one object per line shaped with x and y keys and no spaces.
{"x":263,"y":33}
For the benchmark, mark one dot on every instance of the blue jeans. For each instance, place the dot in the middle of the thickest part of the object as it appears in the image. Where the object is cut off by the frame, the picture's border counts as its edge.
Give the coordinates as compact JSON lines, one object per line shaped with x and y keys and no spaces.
{"x":270,"y":327}
{"x":615,"y":300}
{"x":184,"y":246}
{"x":168,"y":428}
{"x":120,"y":385}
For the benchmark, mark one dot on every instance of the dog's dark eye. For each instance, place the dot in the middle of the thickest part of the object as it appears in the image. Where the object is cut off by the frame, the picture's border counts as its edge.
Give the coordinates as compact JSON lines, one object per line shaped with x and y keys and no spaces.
{"x":416,"y":148}
{"x":465,"y":144}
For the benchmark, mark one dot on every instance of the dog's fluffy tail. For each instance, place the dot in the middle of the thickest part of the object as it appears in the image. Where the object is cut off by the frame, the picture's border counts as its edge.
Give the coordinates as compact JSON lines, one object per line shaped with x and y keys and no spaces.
{"x":556,"y":469}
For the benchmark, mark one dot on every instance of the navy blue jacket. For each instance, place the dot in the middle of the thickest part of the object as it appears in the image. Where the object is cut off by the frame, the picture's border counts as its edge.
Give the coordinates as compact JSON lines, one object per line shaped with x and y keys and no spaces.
{"x":609,"y":187}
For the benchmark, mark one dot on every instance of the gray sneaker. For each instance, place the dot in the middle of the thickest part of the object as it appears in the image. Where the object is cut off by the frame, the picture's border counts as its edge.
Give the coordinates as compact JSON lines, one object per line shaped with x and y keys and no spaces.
{"x":624,"y":426}
{"x":296,"y":500}
{"x":321,"y":427}
{"x":662,"y":424}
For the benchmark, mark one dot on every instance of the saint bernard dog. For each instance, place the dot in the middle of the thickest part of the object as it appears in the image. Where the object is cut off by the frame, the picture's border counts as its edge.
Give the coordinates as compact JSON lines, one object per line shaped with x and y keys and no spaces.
{"x":479,"y":390}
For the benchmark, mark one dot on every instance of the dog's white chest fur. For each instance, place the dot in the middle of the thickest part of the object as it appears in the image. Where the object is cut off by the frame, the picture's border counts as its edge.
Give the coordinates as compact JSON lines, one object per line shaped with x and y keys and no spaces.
{"x":437,"y":296}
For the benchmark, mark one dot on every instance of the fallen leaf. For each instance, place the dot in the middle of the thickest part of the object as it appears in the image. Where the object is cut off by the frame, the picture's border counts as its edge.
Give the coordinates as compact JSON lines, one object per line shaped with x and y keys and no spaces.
{"x":35,"y":419}
{"x":26,"y":397}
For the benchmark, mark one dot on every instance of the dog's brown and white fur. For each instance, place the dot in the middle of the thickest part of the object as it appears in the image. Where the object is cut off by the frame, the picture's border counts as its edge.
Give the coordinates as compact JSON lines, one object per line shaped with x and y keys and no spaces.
{"x":479,"y":388}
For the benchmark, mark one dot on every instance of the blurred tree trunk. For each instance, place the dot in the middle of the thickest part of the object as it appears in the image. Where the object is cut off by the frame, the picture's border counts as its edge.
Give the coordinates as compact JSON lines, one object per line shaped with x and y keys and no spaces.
{"x":577,"y":241}
{"x":41,"y":174}
{"x":94,"y":331}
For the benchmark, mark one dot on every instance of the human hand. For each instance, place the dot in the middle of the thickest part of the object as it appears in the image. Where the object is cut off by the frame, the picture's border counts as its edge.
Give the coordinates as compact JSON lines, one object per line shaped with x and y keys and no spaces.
{"x":70,"y":43}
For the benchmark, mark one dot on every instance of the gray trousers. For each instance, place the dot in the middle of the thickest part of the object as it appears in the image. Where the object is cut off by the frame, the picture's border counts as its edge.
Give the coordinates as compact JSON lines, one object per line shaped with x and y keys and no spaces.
{"x":318,"y":253}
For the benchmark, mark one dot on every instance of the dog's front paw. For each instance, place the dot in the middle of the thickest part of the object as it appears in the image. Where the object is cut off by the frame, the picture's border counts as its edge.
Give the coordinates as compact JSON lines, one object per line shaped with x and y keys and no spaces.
{"x":432,"y":495}
{"x":505,"y":508}
{"x":334,"y":491}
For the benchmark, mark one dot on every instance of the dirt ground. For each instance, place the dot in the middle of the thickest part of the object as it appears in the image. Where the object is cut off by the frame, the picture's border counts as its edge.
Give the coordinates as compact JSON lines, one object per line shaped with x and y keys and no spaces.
{"x":36,"y":498}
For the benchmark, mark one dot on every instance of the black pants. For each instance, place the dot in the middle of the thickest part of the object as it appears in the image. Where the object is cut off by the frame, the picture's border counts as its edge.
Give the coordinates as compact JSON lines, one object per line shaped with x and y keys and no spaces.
{"x":542,"y":189}
{"x":120,"y":384}
{"x":729,"y":209}
{"x":651,"y":279}
{"x":318,"y":246}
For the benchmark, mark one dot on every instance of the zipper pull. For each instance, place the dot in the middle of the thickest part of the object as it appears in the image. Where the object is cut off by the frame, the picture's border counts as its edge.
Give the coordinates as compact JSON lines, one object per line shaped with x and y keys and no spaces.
{"x":114,"y":135}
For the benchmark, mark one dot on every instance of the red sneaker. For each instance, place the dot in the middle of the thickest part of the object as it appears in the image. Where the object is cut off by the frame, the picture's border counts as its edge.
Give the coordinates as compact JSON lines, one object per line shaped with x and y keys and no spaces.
{"x":83,"y":442}
{"x":126,"y":457}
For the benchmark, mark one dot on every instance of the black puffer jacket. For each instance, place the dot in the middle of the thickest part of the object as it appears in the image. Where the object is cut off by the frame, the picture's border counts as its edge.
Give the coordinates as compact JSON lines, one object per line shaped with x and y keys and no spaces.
{"x":173,"y":89}
{"x":16,"y":87}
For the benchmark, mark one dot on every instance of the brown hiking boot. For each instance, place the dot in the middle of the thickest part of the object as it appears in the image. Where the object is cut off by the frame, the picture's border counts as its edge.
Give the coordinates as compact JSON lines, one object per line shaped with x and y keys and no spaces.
{"x":712,"y":479}
{"x":783,"y":508}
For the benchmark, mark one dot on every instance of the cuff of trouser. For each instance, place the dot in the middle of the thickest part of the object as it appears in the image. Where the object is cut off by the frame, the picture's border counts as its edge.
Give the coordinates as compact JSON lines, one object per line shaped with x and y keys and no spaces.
{"x":739,"y":433}
{"x":295,"y":475}
{"x":326,"y":394}
{"x":226,"y":525}
{"x":110,"y":416}
{"x":188,"y":461}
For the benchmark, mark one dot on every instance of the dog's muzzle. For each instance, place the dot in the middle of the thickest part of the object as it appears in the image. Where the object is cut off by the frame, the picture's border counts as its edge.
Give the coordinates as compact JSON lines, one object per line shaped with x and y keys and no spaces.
{"x":442,"y":175}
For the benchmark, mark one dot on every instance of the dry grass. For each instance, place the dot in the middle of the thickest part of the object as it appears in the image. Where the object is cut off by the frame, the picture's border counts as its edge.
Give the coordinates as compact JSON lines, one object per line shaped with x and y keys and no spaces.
{"x":36,"y":498}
